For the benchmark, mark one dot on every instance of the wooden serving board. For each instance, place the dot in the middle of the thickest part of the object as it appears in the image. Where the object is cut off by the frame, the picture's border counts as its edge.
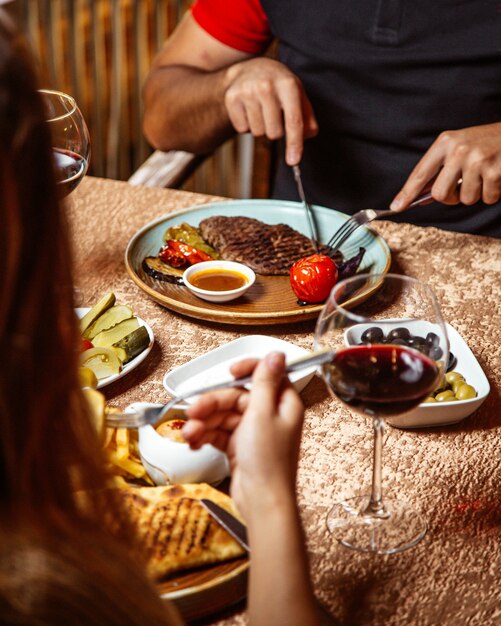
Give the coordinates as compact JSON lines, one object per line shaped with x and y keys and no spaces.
{"x":198,"y":593}
{"x":270,"y":300}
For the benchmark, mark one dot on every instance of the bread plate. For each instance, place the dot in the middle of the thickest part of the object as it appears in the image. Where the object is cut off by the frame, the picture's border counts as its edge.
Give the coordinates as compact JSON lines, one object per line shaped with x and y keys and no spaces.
{"x":133,"y":363}
{"x":270,"y":300}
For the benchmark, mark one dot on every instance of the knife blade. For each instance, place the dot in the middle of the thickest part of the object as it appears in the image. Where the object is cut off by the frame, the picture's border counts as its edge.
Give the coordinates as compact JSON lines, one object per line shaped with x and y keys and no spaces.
{"x":307,"y":206}
{"x":228,"y":521}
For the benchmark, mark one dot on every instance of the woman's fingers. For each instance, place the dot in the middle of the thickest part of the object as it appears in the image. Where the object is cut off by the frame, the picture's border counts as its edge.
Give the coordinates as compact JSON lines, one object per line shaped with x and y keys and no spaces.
{"x":268,"y":378}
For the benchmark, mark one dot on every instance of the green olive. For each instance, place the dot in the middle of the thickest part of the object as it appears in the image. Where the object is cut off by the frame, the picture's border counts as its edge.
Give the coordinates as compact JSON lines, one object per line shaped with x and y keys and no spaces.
{"x":466,"y":392}
{"x":450,"y":377}
{"x":457,"y":384}
{"x":445,"y":396}
{"x":429,"y":399}
{"x":442,"y":385}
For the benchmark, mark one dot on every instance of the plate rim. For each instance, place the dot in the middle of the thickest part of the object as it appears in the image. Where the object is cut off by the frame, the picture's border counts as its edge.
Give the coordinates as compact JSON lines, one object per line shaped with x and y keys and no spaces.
{"x":133,"y":363}
{"x":223,"y":578}
{"x":199,"y":312}
{"x":303,"y":379}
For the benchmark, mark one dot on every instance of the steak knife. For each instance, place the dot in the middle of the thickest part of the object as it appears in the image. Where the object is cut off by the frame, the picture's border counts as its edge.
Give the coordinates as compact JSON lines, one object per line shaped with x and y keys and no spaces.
{"x":306,"y":205}
{"x":228,"y":521}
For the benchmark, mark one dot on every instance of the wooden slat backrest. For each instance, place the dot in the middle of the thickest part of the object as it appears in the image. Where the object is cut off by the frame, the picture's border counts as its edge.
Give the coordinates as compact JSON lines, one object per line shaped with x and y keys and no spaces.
{"x":100,"y":51}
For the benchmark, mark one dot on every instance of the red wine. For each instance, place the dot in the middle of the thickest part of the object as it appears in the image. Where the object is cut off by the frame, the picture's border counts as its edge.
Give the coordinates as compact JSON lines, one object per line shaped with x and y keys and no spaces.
{"x":381,"y":380}
{"x":70,"y":169}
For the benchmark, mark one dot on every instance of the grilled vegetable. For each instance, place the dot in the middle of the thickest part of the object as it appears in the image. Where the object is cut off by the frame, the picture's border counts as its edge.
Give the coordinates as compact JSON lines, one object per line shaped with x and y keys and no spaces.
{"x":349,"y":268}
{"x":159,"y":270}
{"x":132,"y":344}
{"x":313,"y":277}
{"x":180,"y":255}
{"x":189,"y":234}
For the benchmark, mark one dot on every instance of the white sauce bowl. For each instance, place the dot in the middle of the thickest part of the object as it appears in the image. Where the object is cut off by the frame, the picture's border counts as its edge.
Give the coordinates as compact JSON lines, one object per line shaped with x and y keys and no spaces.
{"x":219,"y":296}
{"x":169,"y":462}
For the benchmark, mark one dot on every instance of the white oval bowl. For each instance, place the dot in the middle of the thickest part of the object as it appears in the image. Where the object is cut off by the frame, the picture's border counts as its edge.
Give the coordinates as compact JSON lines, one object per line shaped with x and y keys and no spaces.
{"x":170,"y":462}
{"x":219,"y":296}
{"x":430,"y":414}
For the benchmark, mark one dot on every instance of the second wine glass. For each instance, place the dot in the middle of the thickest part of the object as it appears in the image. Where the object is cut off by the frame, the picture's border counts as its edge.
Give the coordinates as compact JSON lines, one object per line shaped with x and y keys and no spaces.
{"x":388,"y":357}
{"x":70,"y":139}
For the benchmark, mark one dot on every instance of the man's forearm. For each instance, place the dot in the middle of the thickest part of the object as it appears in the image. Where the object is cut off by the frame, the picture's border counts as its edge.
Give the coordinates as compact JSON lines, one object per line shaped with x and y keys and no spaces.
{"x":184,"y":109}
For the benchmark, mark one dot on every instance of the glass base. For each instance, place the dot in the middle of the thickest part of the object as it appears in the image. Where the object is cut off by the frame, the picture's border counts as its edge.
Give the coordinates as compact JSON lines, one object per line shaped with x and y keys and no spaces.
{"x":396,"y":529}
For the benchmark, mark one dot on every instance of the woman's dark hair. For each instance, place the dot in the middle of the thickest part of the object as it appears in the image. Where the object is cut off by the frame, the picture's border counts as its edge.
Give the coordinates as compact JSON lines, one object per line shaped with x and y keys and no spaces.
{"x":58,"y":563}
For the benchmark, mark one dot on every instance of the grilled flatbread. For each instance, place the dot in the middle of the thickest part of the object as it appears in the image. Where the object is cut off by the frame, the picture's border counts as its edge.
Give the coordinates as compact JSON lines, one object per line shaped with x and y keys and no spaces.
{"x":175,"y":529}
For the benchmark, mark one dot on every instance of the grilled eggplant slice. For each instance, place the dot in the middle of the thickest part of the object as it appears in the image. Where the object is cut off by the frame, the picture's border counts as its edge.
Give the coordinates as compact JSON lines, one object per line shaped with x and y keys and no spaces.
{"x":156,"y":268}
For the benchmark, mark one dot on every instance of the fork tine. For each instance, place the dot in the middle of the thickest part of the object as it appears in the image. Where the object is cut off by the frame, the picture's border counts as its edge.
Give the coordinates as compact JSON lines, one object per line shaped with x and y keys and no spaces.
{"x":335,"y":237}
{"x":342,"y":233}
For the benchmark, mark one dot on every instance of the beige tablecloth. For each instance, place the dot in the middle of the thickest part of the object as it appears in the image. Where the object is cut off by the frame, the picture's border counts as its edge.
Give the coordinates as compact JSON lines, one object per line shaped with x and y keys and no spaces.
{"x":451,"y":474}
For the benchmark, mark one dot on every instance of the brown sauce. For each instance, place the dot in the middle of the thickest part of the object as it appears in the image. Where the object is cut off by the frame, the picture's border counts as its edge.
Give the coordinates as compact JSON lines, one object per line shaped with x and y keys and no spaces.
{"x":218,"y":280}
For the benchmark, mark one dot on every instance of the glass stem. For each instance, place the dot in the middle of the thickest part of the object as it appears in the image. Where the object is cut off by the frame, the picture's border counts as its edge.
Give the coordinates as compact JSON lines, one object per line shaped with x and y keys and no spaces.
{"x":375,"y":507}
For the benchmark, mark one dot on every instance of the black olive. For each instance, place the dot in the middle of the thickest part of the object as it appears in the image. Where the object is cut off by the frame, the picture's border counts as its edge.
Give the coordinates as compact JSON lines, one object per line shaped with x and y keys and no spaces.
{"x":452,"y":362}
{"x":417,"y":342}
{"x":374,"y":334}
{"x":398,"y":342}
{"x":398,"y":333}
{"x":432,"y":340}
{"x":435,"y":353}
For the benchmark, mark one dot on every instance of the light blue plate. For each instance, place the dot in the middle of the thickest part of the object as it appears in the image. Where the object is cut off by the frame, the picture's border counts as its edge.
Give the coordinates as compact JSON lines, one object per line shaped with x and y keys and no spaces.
{"x":254,"y":309}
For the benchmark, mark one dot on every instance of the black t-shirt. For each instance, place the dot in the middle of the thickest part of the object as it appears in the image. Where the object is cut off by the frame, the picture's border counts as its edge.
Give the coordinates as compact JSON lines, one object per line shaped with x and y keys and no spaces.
{"x":385,"y":78}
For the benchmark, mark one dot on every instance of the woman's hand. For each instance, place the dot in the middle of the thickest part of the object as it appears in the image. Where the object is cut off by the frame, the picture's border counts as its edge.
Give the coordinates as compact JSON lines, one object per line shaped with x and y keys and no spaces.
{"x":259,"y":430}
{"x":472,"y":155}
{"x":265,"y":98}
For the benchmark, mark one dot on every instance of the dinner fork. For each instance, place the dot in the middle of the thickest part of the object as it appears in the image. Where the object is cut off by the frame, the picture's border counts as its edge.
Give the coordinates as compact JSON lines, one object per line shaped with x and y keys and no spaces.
{"x":364,"y":217}
{"x":141,"y":416}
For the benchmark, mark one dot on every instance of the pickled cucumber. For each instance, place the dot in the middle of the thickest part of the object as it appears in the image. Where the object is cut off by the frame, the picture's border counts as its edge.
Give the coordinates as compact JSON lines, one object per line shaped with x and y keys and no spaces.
{"x":132,"y":344}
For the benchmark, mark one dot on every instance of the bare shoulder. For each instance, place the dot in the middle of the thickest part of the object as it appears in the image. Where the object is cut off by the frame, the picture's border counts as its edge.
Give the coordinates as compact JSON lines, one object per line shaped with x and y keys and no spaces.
{"x":191,"y":45}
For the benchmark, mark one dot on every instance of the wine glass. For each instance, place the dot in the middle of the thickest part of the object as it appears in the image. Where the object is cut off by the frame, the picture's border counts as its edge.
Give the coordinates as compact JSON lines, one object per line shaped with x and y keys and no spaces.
{"x":70,"y":139}
{"x":387,"y":359}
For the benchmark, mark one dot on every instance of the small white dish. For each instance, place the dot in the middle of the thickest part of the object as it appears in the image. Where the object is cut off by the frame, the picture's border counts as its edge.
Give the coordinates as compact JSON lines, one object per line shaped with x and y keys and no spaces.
{"x":219,"y":296}
{"x":214,"y":366}
{"x":133,"y":363}
{"x":439,"y":413}
{"x":169,"y":462}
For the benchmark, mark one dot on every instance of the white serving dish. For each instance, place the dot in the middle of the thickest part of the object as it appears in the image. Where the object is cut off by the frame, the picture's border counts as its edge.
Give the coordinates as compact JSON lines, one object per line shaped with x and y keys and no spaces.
{"x":439,"y":413}
{"x":133,"y":363}
{"x":214,"y":366}
{"x":219,"y":296}
{"x":170,"y":462}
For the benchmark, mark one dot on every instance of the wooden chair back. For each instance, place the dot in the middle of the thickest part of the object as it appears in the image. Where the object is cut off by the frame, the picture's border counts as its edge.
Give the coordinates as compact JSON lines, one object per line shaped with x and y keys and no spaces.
{"x":99,"y":51}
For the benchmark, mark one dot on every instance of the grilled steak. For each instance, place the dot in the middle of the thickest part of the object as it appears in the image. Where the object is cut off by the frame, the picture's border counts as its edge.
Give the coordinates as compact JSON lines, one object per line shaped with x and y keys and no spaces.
{"x":267,"y":249}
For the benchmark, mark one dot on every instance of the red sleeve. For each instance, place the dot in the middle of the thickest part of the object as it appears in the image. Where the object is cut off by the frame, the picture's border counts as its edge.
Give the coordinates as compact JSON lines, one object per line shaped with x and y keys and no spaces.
{"x":240,"y":24}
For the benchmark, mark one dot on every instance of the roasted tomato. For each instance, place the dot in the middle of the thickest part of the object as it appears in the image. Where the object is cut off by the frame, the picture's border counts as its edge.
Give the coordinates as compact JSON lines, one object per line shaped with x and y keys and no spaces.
{"x":313,"y":277}
{"x":179,"y":254}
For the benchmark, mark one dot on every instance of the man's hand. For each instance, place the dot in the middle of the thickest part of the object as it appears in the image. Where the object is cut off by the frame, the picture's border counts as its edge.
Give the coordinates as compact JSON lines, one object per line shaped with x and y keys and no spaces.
{"x":265,"y":98}
{"x":471,"y":155}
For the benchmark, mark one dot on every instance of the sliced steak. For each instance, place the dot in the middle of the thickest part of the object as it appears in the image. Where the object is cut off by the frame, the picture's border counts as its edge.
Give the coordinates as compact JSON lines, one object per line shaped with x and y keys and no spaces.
{"x":267,"y":249}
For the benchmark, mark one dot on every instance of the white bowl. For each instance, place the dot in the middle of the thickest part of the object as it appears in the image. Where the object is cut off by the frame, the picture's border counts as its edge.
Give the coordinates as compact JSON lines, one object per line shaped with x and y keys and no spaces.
{"x":214,"y":366}
{"x":170,"y":462}
{"x":439,"y":413}
{"x":219,"y":296}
